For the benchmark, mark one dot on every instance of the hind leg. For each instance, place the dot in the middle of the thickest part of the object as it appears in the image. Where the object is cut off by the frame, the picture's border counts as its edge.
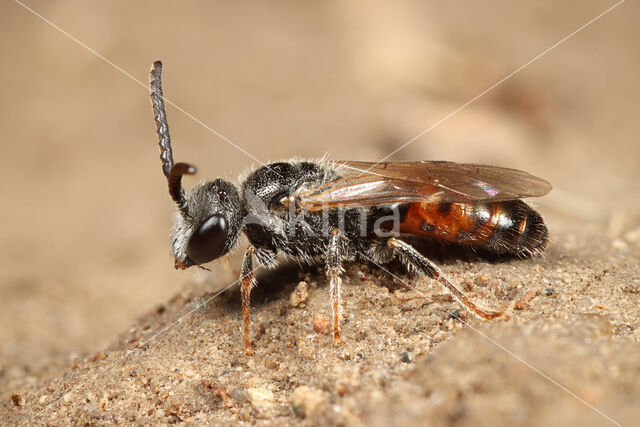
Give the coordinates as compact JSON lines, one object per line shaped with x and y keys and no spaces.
{"x":414,"y":261}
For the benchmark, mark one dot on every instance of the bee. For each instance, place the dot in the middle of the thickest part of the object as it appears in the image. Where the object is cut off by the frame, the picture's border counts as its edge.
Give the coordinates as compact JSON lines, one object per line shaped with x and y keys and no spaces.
{"x":345,"y":211}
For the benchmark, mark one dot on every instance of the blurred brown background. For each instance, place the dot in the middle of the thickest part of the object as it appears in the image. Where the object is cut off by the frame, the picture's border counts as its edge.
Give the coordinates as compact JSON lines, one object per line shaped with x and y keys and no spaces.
{"x":85,"y":215}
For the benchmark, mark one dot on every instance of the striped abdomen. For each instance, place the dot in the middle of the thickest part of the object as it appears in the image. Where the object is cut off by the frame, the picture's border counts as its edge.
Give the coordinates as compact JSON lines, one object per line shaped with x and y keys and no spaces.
{"x":510,"y":227}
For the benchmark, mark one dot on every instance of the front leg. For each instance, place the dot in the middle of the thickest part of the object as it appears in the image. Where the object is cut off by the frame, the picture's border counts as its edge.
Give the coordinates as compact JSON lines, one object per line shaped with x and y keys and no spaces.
{"x":265,"y":257}
{"x":335,"y":255}
{"x":414,"y":260}
{"x":248,"y":281}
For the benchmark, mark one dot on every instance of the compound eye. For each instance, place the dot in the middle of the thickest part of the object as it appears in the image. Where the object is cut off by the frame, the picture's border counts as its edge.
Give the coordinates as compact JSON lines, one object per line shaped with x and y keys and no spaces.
{"x":207,"y":241}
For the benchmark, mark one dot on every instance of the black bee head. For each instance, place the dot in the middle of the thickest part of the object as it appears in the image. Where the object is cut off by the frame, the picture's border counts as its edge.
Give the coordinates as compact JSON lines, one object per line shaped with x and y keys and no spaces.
{"x":209,"y":225}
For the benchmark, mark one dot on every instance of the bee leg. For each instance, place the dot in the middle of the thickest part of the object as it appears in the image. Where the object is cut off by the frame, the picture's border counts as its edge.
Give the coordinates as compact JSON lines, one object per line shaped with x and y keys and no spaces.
{"x":414,"y":260}
{"x":334,"y":270}
{"x":247,"y":280}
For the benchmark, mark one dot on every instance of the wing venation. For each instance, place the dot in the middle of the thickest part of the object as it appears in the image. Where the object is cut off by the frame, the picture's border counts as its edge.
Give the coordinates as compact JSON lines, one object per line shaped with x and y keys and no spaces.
{"x":370,"y":184}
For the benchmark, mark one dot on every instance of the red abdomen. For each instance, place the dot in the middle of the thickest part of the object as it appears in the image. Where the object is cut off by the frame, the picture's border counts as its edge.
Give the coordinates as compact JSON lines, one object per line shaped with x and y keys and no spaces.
{"x":511,"y":227}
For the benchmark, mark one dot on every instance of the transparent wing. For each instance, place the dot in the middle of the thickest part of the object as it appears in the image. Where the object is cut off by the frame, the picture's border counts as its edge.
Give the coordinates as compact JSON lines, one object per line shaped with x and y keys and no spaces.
{"x":369,"y":184}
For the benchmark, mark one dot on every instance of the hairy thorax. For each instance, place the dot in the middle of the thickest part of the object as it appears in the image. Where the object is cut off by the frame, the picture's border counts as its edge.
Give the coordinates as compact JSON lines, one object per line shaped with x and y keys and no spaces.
{"x":272,"y":223}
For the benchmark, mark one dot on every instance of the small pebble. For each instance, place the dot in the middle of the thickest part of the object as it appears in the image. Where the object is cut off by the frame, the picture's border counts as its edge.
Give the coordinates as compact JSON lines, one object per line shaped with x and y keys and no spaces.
{"x":299,"y":295}
{"x":321,"y":325}
{"x":482,"y":280}
{"x":522,"y":303}
{"x":240,"y":395}
{"x":307,"y":401}
{"x":17,"y":400}
{"x":261,"y":397}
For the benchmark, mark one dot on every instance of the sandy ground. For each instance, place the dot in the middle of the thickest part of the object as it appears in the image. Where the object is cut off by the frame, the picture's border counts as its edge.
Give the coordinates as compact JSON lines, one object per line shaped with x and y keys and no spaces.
{"x":90,"y":301}
{"x":568,"y":355}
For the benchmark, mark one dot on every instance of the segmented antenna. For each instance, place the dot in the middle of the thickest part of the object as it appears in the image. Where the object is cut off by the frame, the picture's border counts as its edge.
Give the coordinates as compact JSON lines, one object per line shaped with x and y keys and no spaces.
{"x":172,"y":171}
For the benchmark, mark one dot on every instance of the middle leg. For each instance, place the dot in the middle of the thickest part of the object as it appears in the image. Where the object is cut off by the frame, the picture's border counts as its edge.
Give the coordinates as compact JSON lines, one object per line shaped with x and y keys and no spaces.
{"x":247,"y":281}
{"x":335,"y":254}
